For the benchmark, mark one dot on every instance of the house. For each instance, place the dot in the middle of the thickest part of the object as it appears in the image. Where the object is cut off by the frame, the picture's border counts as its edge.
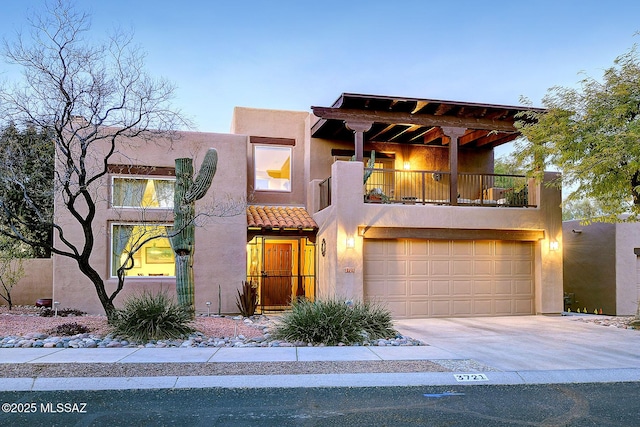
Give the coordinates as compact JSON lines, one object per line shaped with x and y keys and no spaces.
{"x":601,"y":267}
{"x":430,"y":231}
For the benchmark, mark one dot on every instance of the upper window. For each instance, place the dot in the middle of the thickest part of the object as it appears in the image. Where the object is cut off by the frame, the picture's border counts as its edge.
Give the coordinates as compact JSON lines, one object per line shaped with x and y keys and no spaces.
{"x":133,"y":192}
{"x":272,"y":168}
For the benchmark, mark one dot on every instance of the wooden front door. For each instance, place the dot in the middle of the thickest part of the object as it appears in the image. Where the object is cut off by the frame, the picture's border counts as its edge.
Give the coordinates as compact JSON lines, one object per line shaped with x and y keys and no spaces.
{"x":276,"y":277}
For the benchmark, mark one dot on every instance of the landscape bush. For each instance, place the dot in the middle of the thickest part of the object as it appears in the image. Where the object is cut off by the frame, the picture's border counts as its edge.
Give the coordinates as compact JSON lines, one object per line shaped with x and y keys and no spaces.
{"x":148,"y":316}
{"x":331,"y":322}
{"x":62,"y":312}
{"x":68,"y":329}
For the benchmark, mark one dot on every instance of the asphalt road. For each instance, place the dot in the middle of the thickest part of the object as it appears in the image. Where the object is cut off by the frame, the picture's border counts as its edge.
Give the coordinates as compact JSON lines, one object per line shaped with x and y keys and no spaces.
{"x":608,"y":404}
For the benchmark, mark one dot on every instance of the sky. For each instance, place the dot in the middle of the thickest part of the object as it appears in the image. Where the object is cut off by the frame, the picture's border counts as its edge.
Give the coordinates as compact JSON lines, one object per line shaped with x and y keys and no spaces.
{"x":291,"y":55}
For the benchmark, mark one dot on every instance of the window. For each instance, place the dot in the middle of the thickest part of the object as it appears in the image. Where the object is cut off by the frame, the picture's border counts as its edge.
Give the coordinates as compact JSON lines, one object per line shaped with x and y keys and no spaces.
{"x":130,"y":192}
{"x":272,"y":168}
{"x":153,"y":255}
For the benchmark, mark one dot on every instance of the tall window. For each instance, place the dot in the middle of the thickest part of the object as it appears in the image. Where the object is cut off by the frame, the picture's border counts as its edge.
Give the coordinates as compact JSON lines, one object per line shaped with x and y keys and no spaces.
{"x":151,"y":250}
{"x":272,"y":168}
{"x":130,"y":192}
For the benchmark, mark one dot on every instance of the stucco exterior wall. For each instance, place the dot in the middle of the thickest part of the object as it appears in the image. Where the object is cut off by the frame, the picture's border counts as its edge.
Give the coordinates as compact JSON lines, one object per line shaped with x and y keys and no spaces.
{"x":275,"y":124}
{"x":349,"y":212}
{"x":37,"y":282}
{"x":590,"y":265}
{"x":626,"y":268}
{"x":220,"y":253}
{"x":601,"y":266}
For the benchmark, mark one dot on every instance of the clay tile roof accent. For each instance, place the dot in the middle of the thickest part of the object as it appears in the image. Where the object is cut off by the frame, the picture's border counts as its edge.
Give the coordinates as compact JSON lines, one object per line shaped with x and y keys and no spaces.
{"x":279,"y":217}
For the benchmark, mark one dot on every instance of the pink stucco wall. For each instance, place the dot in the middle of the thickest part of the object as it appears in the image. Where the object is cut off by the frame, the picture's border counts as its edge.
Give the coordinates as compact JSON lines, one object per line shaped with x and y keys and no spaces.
{"x":220,"y":240}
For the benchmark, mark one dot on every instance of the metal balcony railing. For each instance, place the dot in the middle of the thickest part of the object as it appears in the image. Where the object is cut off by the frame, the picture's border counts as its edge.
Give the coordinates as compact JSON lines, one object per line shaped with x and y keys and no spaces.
{"x":432,"y":187}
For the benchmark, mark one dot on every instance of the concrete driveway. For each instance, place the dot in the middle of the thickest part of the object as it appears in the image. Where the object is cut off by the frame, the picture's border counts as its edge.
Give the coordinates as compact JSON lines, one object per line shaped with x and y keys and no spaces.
{"x":522,"y":343}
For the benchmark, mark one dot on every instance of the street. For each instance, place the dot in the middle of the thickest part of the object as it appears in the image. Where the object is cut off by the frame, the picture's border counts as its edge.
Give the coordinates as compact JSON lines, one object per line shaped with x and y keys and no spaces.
{"x":603,"y":404}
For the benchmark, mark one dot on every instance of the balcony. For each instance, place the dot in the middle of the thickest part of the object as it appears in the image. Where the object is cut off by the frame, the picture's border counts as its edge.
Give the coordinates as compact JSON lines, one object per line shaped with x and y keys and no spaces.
{"x":394,"y":186}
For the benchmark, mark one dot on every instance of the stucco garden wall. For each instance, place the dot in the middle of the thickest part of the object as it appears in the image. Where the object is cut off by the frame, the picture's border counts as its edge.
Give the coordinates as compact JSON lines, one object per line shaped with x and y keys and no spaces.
{"x":601,"y":266}
{"x":37,"y":282}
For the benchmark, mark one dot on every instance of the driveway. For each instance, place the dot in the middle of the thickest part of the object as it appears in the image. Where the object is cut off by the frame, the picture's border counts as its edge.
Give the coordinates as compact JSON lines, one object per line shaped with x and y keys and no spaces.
{"x":522,"y":343}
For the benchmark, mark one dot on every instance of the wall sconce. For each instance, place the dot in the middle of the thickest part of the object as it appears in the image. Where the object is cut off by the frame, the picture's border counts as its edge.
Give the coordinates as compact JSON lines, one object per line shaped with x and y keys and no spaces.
{"x":351,"y":242}
{"x":407,"y":166}
{"x":554,"y":245}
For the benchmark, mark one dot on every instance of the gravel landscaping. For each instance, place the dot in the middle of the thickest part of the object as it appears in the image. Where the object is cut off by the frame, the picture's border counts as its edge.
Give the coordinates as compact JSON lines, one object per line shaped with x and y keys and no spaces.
{"x":23,"y":327}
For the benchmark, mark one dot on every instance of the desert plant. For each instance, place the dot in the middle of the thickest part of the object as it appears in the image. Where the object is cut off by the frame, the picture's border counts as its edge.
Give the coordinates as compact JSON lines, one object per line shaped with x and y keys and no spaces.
{"x":187,"y":191}
{"x":247,"y":301}
{"x":149,"y":316}
{"x":62,"y":312}
{"x":69,"y":329}
{"x":11,"y":270}
{"x":333,"y":321}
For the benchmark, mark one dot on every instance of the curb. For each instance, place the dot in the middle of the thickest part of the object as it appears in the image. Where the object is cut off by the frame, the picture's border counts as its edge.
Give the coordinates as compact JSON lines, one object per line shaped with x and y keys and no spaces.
{"x":322,"y":380}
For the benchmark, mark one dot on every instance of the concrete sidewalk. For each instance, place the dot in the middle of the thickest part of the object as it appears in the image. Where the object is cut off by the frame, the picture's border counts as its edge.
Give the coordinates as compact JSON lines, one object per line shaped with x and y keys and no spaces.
{"x":520,"y":350}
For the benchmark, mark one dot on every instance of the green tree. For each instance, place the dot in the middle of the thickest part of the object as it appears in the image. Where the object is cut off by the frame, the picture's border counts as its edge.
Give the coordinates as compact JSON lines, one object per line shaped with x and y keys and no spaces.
{"x":92,"y":96}
{"x":591,"y":134}
{"x":26,"y":188}
{"x":584,"y":209}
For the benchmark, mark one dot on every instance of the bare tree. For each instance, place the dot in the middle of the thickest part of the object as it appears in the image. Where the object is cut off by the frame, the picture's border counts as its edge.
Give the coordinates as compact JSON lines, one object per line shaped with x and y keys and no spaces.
{"x":94,"y":97}
{"x":11,"y":268}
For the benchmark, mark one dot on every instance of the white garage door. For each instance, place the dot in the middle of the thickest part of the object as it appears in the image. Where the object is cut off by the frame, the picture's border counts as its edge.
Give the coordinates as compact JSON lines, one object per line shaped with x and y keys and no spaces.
{"x":432,"y":278}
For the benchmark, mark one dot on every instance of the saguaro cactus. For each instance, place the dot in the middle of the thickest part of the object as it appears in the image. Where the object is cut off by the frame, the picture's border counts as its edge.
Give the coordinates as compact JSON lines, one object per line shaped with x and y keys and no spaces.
{"x":187,"y":191}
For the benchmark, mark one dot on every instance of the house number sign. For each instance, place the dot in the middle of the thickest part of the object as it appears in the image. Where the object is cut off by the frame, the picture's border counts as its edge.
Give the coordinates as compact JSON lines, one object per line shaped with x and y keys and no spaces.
{"x":470,"y":377}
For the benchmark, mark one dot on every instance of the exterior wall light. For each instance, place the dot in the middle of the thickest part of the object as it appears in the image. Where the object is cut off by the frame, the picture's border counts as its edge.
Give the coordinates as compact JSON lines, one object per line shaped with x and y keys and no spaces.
{"x":407,"y":166}
{"x":554,"y":245}
{"x":351,"y":242}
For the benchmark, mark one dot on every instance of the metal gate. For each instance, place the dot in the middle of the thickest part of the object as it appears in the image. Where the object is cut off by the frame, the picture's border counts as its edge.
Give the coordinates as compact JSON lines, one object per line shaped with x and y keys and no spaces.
{"x":283,"y":268}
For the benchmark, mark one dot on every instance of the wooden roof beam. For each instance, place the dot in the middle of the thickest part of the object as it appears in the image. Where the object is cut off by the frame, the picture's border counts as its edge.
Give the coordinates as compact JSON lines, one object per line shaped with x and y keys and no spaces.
{"x":412,"y":119}
{"x":472,"y":135}
{"x":433,"y":134}
{"x":383,"y":131}
{"x":412,"y":128}
{"x":496,"y":138}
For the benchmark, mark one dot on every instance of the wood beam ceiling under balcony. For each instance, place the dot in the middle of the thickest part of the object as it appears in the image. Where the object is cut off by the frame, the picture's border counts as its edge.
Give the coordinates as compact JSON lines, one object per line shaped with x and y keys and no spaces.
{"x":417,"y":121}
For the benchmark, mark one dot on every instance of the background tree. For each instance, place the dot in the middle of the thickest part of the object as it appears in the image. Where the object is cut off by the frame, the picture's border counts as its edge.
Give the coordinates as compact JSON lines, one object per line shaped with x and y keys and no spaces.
{"x":26,"y":188}
{"x":592,"y":135}
{"x":507,"y":165}
{"x":92,"y":97}
{"x":584,"y":209}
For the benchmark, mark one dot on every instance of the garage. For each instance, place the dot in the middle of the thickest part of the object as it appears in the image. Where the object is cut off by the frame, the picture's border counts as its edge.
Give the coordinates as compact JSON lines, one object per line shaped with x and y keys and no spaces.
{"x":450,"y":278}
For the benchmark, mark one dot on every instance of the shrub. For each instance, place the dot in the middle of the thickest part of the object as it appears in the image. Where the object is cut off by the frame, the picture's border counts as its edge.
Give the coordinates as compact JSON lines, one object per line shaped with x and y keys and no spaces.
{"x":247,"y":301}
{"x":150,"y":316}
{"x":62,"y":312}
{"x":69,"y":329}
{"x":332,"y":321}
